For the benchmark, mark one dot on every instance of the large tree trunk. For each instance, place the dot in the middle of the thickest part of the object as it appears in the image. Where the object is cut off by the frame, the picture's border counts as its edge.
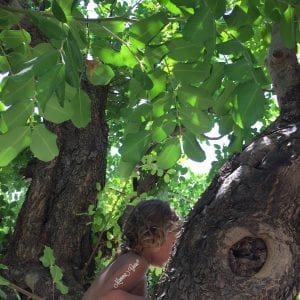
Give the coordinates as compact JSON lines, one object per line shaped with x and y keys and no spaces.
{"x":242,"y":239}
{"x":58,"y":197}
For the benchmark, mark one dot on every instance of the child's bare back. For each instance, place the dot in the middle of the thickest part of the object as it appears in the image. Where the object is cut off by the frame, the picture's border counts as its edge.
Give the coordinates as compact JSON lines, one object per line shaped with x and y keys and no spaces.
{"x":149,"y":234}
{"x":123,"y":279}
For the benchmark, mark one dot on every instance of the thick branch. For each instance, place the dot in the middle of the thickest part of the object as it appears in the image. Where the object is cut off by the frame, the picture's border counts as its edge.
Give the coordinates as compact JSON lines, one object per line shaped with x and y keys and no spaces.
{"x":285,"y":72}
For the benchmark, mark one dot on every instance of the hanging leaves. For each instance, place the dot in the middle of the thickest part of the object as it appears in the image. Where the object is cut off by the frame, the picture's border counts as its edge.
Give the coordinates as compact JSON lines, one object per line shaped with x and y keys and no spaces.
{"x":169,"y":155}
{"x":81,"y":106}
{"x":101,"y":74}
{"x":12,"y":143}
{"x":192,"y":148}
{"x":249,"y":104}
{"x":43,"y":145}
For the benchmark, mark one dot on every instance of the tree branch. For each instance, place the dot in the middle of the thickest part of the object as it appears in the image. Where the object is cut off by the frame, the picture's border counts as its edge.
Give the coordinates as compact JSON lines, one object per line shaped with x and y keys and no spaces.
{"x":283,"y":65}
{"x":24,"y":292}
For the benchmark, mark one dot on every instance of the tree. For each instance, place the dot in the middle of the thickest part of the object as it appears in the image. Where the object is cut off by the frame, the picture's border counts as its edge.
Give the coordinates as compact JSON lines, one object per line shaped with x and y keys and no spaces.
{"x":163,"y":73}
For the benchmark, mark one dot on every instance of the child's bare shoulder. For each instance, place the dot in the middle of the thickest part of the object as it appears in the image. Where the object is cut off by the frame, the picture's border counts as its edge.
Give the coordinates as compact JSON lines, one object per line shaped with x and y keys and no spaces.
{"x":131,"y":262}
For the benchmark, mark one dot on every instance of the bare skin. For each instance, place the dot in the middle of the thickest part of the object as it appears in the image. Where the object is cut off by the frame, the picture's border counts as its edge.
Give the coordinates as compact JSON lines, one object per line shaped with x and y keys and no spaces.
{"x":125,"y":278}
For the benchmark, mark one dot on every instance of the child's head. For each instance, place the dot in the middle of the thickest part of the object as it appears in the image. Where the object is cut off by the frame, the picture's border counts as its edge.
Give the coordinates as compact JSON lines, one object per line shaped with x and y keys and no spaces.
{"x":148,"y":225}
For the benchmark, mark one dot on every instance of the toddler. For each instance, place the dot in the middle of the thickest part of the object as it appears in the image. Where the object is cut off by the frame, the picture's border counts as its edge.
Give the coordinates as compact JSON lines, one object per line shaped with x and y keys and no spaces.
{"x":148,"y":237}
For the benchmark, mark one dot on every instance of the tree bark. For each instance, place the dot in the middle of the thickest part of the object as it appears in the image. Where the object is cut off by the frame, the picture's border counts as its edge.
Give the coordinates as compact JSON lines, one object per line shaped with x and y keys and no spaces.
{"x":242,"y":239}
{"x":54,"y":212}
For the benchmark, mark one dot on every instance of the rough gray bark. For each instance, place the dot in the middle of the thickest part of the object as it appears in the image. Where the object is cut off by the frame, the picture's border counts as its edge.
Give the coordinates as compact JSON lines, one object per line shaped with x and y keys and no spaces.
{"x":60,"y":192}
{"x":242,"y":239}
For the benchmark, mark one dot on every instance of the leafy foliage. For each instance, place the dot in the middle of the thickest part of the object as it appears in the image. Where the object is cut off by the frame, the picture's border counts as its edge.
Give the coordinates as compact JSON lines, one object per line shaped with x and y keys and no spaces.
{"x":12,"y":193}
{"x":48,"y":261}
{"x":184,"y":66}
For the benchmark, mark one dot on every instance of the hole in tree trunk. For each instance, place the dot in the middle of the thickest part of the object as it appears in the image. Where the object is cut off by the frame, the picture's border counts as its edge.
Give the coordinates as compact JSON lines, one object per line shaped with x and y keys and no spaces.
{"x":247,"y":256}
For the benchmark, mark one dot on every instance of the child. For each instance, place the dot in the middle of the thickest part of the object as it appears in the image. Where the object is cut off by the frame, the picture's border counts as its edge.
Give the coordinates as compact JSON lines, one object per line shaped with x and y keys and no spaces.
{"x":148,"y":237}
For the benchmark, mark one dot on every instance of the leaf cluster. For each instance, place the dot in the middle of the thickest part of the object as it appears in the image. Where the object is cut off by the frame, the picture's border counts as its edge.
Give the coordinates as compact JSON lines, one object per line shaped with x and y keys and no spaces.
{"x":175,"y":69}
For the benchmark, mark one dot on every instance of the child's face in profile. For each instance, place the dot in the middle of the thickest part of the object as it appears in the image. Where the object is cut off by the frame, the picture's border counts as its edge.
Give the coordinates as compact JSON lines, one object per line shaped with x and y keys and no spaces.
{"x":161,"y":254}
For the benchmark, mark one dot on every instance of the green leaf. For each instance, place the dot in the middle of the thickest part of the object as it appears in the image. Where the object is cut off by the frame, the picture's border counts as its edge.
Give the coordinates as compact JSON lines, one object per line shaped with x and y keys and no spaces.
{"x":169,"y":154}
{"x":226,"y":124}
{"x":161,"y":105}
{"x":180,"y":50}
{"x":163,"y":128}
{"x":186,"y":3}
{"x":239,"y":70}
{"x":192,"y":148}
{"x":237,"y":18}
{"x":230,"y":47}
{"x":56,"y":273}
{"x":58,"y":11}
{"x":74,"y":62}
{"x":126,"y":168}
{"x":134,"y":146}
{"x":243,"y":33}
{"x":48,"y":82}
{"x":101,"y":75}
{"x":107,"y":28}
{"x":3,"y":267}
{"x":200,"y":27}
{"x":55,"y":113}
{"x":79,"y":34}
{"x":136,"y":91}
{"x":287,"y":28}
{"x":8,"y":19}
{"x":18,"y":114}
{"x":272,"y":10}
{"x":14,"y":91}
{"x":141,"y":112}
{"x":236,"y":141}
{"x":81,"y":105}
{"x":191,"y":73}
{"x":159,"y":81}
{"x":4,"y":281}
{"x":48,"y":258}
{"x":61,"y":287}
{"x":3,"y":126}
{"x":43,"y":62}
{"x":214,"y":81}
{"x":132,"y":127}
{"x":4,"y":65}
{"x":146,"y":29}
{"x":221,"y":105}
{"x":218,"y":7}
{"x":197,"y":97}
{"x":14,"y":38}
{"x":260,"y":77}
{"x":23,"y":75}
{"x":171,"y":7}
{"x":144,"y":80}
{"x":250,"y":103}
{"x":124,"y":57}
{"x":3,"y":295}
{"x":197,"y":122}
{"x":154,"y":54}
{"x":12,"y":143}
{"x":43,"y":144}
{"x":49,"y":26}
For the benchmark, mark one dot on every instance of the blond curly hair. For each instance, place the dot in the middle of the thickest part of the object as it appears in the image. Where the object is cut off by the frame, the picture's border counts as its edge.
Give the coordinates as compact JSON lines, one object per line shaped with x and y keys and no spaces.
{"x":148,"y":224}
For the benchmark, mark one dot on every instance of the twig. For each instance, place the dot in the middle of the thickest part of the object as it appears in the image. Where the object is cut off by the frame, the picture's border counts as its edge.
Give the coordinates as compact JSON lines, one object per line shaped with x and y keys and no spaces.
{"x":213,"y":138}
{"x":24,"y":292}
